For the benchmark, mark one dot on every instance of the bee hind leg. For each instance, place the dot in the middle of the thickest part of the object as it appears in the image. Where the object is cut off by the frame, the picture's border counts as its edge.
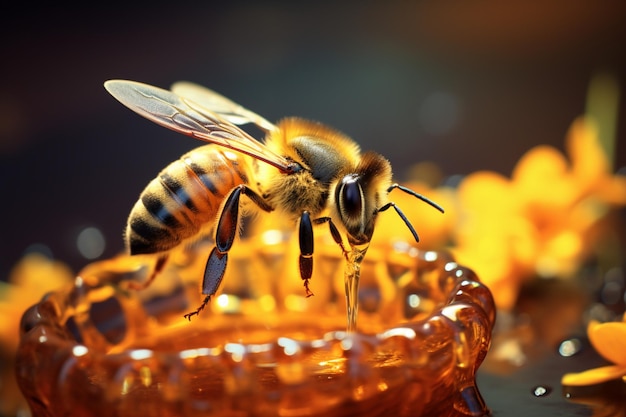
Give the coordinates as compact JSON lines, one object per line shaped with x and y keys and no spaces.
{"x":199,"y":309}
{"x":158,"y":268}
{"x":213,"y":274}
{"x":225,"y":233}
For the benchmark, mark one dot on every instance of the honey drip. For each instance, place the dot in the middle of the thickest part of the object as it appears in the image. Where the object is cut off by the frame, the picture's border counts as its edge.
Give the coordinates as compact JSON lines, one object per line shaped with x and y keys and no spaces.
{"x":351,"y":278}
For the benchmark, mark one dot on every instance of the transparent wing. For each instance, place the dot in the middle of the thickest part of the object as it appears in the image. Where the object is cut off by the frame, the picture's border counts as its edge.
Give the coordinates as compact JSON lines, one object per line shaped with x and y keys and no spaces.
{"x":183,"y":115}
{"x":221,"y":105}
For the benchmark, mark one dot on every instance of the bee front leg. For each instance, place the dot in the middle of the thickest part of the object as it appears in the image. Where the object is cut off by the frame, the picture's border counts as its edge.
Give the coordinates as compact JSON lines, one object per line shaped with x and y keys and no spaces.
{"x":306,"y":250}
{"x":225,"y":234}
{"x":334,"y":233}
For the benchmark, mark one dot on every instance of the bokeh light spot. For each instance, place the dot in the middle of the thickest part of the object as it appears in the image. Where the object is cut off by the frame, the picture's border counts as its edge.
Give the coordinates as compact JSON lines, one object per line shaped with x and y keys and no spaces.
{"x":90,"y":242}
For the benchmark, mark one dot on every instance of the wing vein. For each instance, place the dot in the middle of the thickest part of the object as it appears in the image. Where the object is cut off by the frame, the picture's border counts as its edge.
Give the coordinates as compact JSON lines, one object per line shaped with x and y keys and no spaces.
{"x":209,"y":120}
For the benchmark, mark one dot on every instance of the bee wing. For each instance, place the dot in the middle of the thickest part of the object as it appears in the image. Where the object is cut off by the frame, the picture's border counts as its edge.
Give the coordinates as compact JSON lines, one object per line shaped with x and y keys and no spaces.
{"x":221,"y":105}
{"x":185,"y":116}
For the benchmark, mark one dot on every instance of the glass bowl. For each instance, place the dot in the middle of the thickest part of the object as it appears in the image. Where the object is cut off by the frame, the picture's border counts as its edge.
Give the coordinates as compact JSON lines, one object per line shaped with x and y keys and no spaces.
{"x":260,"y":348}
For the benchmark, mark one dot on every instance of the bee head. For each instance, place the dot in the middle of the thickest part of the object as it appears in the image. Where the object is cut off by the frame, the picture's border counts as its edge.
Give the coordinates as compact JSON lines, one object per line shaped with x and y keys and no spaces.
{"x":358,"y":196}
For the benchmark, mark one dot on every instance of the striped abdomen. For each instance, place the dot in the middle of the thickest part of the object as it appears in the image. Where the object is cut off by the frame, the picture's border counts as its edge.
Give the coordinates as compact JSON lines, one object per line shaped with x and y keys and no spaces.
{"x":183,"y":199}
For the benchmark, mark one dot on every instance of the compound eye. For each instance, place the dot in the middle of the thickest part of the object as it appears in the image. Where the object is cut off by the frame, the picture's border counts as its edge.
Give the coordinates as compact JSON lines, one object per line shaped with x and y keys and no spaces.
{"x":350,"y":199}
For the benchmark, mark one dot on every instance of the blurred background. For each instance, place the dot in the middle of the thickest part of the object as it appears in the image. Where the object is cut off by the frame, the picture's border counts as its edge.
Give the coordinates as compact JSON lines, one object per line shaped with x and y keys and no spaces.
{"x":466,"y":85}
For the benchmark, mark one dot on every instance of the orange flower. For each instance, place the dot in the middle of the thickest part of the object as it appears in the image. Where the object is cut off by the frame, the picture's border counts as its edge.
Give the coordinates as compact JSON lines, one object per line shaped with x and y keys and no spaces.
{"x":609,"y":340}
{"x":566,"y":202}
{"x":493,"y":237}
{"x":541,"y":222}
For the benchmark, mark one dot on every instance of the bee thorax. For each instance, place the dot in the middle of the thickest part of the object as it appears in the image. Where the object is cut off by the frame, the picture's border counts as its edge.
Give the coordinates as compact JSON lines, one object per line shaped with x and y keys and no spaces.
{"x":296,"y":193}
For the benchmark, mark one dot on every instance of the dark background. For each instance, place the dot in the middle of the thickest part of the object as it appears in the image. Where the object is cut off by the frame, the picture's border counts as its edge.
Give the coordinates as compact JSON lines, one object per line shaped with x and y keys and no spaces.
{"x":467,"y":85}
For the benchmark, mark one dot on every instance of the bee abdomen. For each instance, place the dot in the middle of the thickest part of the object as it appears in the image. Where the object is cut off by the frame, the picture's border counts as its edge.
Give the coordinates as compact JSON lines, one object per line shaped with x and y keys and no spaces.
{"x":183,"y":199}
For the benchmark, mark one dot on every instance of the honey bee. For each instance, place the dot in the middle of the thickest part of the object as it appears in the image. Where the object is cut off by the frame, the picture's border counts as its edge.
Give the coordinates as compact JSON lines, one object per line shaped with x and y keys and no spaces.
{"x":311,"y":173}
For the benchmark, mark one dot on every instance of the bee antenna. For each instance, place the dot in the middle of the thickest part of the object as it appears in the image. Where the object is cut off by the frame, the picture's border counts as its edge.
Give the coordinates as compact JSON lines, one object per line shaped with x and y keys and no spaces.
{"x":414,"y":194}
{"x":403,"y":217}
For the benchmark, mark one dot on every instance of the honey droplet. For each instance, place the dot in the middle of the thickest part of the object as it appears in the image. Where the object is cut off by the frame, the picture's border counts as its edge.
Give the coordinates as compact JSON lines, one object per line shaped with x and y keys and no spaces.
{"x":541,"y":391}
{"x":570,"y":347}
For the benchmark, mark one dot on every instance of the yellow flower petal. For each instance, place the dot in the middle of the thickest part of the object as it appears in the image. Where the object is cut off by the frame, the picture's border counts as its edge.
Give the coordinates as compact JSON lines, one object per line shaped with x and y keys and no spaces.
{"x":594,"y":376}
{"x":483,"y":193}
{"x":538,"y":164}
{"x":541,"y":177}
{"x":609,"y":340}
{"x":589,"y":161}
{"x":612,"y":190}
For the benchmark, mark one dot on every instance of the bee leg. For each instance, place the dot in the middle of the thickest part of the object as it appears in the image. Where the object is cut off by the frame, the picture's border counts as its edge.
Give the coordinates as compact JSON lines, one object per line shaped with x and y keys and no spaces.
{"x":158,"y":267}
{"x":225,"y":233}
{"x":213,"y":274}
{"x":306,"y":250}
{"x":334,"y":232}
